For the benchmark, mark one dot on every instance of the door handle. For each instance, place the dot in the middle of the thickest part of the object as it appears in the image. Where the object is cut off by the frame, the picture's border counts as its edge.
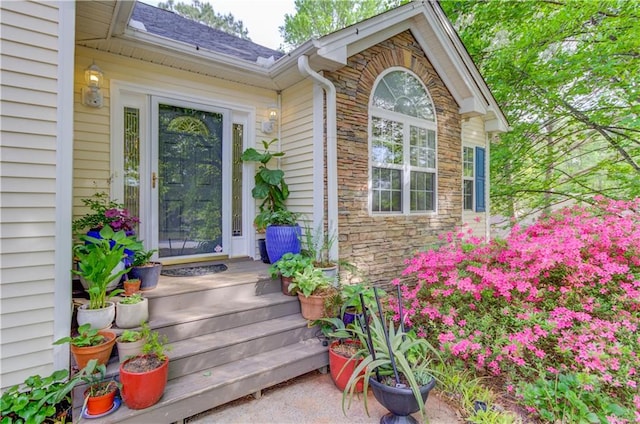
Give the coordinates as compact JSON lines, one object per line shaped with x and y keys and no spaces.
{"x":154,"y":178}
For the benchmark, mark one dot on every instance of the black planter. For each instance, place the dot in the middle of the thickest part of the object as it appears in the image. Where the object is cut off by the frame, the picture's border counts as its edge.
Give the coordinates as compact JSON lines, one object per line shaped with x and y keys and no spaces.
{"x":149,"y":275}
{"x":262,"y":246}
{"x":400,"y":402}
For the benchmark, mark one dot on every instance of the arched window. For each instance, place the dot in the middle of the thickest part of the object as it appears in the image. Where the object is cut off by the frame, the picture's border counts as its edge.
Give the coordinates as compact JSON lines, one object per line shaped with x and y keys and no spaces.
{"x":403,"y":145}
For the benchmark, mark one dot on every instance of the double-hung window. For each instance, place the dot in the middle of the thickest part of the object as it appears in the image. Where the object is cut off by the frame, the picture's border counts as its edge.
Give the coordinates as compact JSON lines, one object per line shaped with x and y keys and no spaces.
{"x":403,"y":146}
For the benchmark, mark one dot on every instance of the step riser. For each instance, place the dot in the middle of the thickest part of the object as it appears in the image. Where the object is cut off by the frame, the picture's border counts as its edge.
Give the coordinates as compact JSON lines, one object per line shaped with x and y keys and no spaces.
{"x":209,"y":359}
{"x":212,"y":296}
{"x":220,"y":395}
{"x":187,"y":330}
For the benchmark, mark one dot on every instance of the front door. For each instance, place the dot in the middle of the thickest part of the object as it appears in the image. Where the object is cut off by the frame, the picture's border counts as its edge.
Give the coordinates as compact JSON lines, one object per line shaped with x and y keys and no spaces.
{"x":190,"y":180}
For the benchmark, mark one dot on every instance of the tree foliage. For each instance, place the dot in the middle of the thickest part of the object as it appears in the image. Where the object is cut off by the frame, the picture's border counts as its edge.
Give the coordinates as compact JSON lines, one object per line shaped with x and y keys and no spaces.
{"x":566,"y":74}
{"x":203,"y":12}
{"x":315,"y":18}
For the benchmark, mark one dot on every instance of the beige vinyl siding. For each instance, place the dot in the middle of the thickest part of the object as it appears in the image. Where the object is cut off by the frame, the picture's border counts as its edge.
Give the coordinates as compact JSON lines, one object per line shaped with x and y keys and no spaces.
{"x":473,"y":134}
{"x":28,"y":130}
{"x":297,"y":142}
{"x":92,"y":137}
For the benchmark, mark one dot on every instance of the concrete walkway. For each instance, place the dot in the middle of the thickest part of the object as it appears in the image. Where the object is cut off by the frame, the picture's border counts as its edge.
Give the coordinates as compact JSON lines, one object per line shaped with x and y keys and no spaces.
{"x":311,"y":399}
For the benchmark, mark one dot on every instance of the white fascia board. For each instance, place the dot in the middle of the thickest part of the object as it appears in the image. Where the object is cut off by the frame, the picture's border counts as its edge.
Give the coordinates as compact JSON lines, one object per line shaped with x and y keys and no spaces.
{"x":339,"y":46}
{"x":472,"y":106}
{"x":466,"y":61}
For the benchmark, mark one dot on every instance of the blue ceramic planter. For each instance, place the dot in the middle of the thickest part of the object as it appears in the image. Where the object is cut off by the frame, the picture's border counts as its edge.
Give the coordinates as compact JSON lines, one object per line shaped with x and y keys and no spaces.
{"x":282,"y":239}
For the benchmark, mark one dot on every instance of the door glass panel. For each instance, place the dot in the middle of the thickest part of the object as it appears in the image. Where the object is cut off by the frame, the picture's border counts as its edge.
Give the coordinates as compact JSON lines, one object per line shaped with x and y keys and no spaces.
{"x":236,"y":186}
{"x":132,"y":161}
{"x":190,"y":181}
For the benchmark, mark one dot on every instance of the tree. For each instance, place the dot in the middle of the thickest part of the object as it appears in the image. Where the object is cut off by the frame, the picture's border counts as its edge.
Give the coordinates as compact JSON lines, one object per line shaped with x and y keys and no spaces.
{"x":315,"y":18}
{"x":565,"y":72}
{"x":203,"y":12}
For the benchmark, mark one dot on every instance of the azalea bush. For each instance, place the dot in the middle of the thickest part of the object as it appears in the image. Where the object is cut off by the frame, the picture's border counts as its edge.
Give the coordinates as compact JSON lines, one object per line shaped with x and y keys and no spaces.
{"x":553,"y":308}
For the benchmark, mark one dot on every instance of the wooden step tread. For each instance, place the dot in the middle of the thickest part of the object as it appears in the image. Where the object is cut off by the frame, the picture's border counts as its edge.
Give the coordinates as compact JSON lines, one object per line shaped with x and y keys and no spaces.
{"x":194,"y":313}
{"x":197,"y":392}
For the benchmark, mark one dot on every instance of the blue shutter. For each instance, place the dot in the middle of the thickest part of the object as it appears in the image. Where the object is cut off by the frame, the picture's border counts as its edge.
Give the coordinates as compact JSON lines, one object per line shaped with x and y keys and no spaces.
{"x":480,"y":169}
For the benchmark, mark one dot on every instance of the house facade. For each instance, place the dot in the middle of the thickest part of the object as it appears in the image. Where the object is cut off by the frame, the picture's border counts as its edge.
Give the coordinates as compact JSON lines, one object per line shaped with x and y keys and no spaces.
{"x":385,"y":124}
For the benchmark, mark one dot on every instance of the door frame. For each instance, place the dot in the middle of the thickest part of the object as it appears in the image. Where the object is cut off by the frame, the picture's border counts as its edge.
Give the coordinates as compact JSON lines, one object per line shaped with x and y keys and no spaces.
{"x":122,"y":94}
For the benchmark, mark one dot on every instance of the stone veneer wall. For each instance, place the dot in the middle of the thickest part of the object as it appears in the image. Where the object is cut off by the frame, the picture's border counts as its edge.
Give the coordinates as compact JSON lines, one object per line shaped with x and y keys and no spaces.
{"x":376,"y":244}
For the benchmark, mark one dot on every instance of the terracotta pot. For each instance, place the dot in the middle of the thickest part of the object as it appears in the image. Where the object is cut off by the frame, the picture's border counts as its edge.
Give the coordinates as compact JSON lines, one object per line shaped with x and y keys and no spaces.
{"x":285,"y":281}
{"x":101,"y":352}
{"x":142,"y":389}
{"x":342,"y":368}
{"x":97,"y":405}
{"x":312,"y":307}
{"x":131,"y":286}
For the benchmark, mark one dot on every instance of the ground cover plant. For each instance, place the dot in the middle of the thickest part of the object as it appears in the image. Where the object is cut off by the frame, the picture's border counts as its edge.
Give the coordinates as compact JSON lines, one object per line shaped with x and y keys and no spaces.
{"x":552,"y":312}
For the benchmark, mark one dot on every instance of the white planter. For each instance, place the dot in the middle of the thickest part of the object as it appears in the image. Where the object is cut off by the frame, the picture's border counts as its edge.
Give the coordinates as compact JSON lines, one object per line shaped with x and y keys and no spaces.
{"x":129,"y":349}
{"x":98,"y":318}
{"x":332,"y":273}
{"x":131,"y":316}
{"x":112,"y":284}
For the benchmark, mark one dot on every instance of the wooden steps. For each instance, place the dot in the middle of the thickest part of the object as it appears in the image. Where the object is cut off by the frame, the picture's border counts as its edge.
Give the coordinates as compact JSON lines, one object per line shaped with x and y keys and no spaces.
{"x":232,"y":334}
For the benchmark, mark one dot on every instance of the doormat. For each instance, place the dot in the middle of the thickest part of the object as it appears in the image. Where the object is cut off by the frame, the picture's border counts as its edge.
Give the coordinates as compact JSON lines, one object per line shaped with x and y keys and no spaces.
{"x":193,"y":271}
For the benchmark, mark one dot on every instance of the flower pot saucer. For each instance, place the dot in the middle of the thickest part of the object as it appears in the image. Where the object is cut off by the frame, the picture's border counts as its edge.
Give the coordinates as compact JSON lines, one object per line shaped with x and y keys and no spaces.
{"x":116,"y":404}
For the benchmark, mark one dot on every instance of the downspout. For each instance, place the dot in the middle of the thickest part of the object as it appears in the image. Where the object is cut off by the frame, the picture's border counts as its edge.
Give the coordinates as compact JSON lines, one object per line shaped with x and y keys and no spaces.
{"x":332,"y":152}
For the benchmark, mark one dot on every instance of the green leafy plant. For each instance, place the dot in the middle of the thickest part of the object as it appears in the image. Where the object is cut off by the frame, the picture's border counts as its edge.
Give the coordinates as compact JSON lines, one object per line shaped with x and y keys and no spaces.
{"x":98,"y":259}
{"x":155,"y":344}
{"x":289,"y":264}
{"x":87,"y":336}
{"x":351,"y":296}
{"x":132,"y":300}
{"x":130,"y":336}
{"x":142,"y":257}
{"x":270,"y":186}
{"x":309,"y":281}
{"x":281,"y":217}
{"x":574,"y":398}
{"x":40,"y":399}
{"x":317,"y":245}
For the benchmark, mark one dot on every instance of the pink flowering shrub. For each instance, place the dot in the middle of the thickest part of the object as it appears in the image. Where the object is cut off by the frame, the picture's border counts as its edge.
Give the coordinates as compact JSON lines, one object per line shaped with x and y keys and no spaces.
{"x":561,"y":296}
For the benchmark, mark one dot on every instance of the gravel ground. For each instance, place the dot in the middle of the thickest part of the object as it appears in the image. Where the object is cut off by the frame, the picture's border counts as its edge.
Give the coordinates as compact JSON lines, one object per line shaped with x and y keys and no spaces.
{"x":312,"y":398}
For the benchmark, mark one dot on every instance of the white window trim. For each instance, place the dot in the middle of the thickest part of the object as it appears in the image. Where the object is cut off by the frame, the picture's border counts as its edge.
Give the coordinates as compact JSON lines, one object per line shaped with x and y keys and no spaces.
{"x":472,"y":178}
{"x":407,"y":121}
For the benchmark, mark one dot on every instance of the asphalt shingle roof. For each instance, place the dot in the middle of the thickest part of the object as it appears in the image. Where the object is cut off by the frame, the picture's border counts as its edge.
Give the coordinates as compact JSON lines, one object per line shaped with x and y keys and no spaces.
{"x":173,"y":26}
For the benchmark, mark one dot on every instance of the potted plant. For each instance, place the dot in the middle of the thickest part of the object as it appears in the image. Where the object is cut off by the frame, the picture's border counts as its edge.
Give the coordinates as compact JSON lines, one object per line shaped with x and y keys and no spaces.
{"x":131,"y":286}
{"x":144,"y":377}
{"x":343,"y":351}
{"x":317,"y":245}
{"x":132,"y":311}
{"x":129,"y":344}
{"x":272,"y":190}
{"x":313,"y":289}
{"x":97,"y":263}
{"x":100,"y":395}
{"x":90,"y":343}
{"x":396,"y":366}
{"x":100,"y":398}
{"x":146,"y":270}
{"x":352,"y":303}
{"x":286,"y":267}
